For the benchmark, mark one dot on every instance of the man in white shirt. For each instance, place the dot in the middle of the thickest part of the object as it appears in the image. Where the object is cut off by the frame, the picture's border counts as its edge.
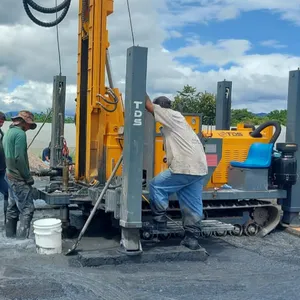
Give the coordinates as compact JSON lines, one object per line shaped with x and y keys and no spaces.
{"x":187,"y":167}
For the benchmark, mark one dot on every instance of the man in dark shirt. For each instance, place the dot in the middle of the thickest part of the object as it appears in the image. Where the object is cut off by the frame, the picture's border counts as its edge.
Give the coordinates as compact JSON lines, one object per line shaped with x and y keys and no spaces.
{"x":3,"y":183}
{"x":65,"y":153}
{"x":46,"y":155}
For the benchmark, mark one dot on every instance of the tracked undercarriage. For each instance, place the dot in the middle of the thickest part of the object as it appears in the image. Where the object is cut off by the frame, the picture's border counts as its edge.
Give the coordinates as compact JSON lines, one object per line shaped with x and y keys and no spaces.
{"x":234,"y":217}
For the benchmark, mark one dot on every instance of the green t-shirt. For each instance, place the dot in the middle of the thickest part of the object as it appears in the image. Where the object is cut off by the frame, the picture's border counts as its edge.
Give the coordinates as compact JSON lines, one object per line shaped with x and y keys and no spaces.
{"x":15,"y":149}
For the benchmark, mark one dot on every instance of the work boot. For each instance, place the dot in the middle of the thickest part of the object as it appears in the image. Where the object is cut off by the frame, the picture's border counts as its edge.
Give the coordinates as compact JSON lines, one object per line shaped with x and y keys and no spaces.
{"x":190,"y":241}
{"x":24,"y":229}
{"x":11,"y":228}
{"x":159,"y":220}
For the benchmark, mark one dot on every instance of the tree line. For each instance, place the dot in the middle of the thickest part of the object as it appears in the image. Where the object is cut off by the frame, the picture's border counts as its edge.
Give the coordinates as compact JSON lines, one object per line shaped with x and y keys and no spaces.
{"x":41,"y":117}
{"x":189,"y":100}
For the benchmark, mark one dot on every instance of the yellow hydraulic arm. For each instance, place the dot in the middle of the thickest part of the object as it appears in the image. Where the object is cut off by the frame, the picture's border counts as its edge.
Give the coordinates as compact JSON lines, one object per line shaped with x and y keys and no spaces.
{"x":99,"y":109}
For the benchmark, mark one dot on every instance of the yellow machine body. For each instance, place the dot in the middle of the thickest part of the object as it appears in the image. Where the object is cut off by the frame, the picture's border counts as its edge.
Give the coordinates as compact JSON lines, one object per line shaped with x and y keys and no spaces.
{"x":99,"y":134}
{"x":235,"y":146}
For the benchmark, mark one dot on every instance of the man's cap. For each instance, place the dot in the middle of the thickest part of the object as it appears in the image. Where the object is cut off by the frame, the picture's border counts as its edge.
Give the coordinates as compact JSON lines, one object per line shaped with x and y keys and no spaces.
{"x":27,"y":117}
{"x":2,"y":116}
{"x":163,"y":101}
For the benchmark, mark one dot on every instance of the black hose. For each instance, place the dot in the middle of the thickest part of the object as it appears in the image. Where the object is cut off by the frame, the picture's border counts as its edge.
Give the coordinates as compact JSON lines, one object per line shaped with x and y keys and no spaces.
{"x":64,"y":6}
{"x":257,"y":132}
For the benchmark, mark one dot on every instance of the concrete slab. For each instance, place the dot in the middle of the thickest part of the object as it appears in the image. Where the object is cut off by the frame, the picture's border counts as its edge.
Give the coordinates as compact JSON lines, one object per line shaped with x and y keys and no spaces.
{"x":162,"y":252}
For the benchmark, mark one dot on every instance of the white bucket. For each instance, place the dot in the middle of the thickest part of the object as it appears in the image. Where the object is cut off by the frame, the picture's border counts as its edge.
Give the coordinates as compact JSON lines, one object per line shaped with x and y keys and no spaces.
{"x":48,"y":238}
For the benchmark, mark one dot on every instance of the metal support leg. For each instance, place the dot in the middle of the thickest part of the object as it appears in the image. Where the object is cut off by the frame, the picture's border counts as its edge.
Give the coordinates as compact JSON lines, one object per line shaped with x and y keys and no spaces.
{"x":131,"y":199}
{"x":58,"y":120}
{"x":223,"y":105}
{"x":291,"y":205}
{"x":65,"y":215}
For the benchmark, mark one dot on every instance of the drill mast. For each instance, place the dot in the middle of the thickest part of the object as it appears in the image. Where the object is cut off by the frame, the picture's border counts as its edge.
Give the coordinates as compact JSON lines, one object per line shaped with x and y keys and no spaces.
{"x":99,"y":109}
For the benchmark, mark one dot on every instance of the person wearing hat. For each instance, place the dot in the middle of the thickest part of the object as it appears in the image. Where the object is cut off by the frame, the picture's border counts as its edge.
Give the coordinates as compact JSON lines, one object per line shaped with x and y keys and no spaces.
{"x":20,"y":181}
{"x":3,"y":183}
{"x":187,"y":167}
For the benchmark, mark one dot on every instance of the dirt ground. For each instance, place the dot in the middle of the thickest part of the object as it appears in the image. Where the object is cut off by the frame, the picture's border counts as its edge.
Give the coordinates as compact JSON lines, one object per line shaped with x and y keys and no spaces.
{"x":35,"y":162}
{"x":246,"y":268}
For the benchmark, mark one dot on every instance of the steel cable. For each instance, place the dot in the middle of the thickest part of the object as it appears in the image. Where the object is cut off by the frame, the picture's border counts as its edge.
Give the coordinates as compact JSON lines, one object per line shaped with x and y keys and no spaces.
{"x":130,"y":21}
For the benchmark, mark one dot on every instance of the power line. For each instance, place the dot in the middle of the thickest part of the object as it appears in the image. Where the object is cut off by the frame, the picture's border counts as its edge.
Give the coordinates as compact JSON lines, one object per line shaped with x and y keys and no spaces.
{"x":130,"y":20}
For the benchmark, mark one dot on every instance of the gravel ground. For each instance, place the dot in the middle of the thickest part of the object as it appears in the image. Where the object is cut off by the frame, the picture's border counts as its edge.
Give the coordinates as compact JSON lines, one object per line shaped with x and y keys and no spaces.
{"x":238,"y":268}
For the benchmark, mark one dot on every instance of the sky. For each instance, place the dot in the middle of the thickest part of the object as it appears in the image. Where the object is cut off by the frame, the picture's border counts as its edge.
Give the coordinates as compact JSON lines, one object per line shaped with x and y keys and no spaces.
{"x":252,"y":43}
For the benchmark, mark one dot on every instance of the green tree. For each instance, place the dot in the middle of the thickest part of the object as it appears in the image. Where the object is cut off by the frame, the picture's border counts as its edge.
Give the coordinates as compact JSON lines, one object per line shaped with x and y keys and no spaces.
{"x":190,"y":101}
{"x":41,"y":116}
{"x":278,"y":115}
{"x":241,"y":115}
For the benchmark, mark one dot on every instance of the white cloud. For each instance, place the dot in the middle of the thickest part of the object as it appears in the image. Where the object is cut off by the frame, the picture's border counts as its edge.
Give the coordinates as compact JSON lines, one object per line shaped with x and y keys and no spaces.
{"x":35,"y":96}
{"x":219,"y":54}
{"x":29,"y":52}
{"x":273,"y":44}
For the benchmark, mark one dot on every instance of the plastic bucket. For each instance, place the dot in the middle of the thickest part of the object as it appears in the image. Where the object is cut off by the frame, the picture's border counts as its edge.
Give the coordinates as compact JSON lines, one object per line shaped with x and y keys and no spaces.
{"x":48,"y":238}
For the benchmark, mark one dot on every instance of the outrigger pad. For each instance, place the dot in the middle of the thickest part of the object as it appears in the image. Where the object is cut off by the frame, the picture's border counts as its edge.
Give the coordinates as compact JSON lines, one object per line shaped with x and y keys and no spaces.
{"x":259,"y":157}
{"x":150,"y":254}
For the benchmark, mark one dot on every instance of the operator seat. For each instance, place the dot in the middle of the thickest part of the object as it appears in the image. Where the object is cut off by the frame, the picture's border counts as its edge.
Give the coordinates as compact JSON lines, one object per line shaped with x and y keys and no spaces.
{"x":259,"y":157}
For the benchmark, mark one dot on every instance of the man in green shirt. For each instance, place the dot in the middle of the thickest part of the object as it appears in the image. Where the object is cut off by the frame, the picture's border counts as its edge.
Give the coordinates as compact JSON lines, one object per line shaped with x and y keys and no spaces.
{"x":20,"y":181}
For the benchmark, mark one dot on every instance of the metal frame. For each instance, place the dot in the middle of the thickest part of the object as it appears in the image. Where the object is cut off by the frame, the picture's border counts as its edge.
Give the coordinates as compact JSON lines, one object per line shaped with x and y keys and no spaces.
{"x":223,"y":105}
{"x":131,"y":203}
{"x":291,"y":205}
{"x":58,"y":120}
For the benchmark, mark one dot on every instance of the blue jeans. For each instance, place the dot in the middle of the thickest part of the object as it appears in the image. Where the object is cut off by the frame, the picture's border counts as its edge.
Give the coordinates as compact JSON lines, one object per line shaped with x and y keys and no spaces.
{"x":20,"y":205}
{"x":189,"y":192}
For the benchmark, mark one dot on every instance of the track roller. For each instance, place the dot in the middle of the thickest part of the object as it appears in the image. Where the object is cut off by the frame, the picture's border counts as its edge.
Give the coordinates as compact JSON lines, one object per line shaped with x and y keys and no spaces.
{"x":251,"y":229}
{"x":146,"y":235}
{"x":221,"y":233}
{"x":237,"y":231}
{"x":164,"y":236}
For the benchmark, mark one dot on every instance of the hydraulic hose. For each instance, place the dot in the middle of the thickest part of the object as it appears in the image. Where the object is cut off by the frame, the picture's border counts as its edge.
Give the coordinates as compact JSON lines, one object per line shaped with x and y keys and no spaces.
{"x":257,"y":132}
{"x":64,"y":7}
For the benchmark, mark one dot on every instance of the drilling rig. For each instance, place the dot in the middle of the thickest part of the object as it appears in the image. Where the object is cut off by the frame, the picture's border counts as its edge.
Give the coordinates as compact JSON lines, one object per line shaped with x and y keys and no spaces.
{"x":119,"y":148}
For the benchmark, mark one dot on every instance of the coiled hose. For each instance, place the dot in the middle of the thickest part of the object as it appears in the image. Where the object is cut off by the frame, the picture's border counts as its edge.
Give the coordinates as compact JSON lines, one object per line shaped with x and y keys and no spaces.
{"x":64,"y":7}
{"x":257,"y":132}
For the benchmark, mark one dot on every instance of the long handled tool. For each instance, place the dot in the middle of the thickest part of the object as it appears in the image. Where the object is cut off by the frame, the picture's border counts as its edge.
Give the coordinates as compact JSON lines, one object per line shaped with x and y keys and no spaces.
{"x":88,"y":221}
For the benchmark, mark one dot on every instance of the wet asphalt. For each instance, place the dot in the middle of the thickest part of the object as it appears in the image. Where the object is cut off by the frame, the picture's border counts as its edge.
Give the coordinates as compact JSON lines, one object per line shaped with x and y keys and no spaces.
{"x":245,"y":268}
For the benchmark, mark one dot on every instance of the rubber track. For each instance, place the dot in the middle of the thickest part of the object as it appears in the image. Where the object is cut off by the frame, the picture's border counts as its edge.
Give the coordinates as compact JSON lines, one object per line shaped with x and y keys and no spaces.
{"x":248,"y":228}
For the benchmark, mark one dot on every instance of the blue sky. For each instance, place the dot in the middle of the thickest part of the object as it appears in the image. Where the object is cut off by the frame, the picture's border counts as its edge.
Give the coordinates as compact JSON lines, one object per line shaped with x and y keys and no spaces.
{"x":265,"y":30}
{"x":14,"y":83}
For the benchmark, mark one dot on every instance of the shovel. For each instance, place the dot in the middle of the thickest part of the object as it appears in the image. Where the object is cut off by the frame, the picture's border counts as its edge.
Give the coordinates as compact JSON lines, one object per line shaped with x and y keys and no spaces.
{"x":88,"y":221}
